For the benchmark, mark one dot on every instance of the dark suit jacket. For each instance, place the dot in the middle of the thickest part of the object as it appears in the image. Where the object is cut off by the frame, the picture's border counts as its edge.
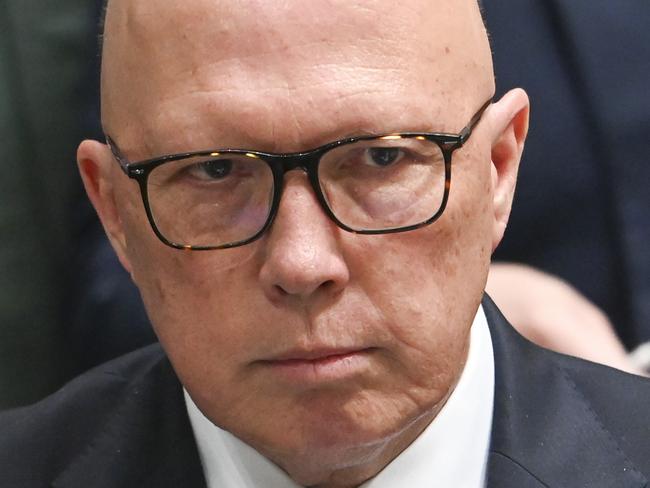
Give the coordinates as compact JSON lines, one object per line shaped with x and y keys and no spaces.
{"x":582,"y":204}
{"x":558,"y":422}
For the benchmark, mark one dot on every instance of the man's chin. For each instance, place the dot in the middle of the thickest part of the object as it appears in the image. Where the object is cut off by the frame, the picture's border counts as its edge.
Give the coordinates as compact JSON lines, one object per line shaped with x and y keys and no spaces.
{"x":329,"y":436}
{"x":320,"y":457}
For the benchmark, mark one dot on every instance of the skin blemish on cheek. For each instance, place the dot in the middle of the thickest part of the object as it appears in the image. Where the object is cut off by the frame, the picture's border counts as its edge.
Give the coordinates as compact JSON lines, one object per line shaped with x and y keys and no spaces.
{"x":447,"y":50}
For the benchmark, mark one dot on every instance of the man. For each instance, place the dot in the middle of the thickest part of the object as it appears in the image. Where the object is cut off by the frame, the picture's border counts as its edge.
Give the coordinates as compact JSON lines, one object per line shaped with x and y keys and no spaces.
{"x":278,"y":182}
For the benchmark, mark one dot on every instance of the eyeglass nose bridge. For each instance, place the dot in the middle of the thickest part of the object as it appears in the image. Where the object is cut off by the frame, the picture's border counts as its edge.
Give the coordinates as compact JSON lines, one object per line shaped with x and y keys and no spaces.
{"x":305,"y":161}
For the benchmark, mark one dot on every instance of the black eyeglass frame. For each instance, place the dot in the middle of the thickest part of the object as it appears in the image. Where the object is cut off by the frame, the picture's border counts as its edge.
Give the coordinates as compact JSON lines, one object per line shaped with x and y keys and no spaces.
{"x":308,"y":161}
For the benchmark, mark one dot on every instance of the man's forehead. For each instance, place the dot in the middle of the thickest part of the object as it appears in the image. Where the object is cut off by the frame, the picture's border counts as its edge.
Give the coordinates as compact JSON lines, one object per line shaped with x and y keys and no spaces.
{"x":233,"y":13}
{"x":200,"y":32}
{"x":252,"y":48}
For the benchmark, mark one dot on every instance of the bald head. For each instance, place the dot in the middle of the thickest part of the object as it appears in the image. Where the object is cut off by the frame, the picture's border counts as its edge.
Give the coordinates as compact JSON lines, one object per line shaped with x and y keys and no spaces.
{"x":293,"y":70}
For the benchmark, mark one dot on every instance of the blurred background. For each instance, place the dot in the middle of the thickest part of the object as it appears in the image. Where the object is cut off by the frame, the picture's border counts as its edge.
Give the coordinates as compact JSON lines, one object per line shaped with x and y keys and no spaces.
{"x":581,"y":211}
{"x":59,"y":284}
{"x":45,"y":48}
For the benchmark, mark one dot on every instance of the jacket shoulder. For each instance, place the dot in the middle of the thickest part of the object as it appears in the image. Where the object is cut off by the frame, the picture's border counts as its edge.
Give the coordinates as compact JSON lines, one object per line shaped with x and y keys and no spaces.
{"x":37,"y":441}
{"x":566,"y":421}
{"x":619,"y":401}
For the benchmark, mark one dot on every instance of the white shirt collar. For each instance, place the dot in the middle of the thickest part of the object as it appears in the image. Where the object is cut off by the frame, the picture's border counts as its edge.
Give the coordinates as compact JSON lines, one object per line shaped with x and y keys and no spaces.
{"x":451,"y":451}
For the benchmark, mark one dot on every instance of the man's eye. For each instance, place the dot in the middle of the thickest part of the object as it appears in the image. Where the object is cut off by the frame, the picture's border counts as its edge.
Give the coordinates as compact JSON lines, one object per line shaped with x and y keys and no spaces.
{"x":383,"y":156}
{"x":216,"y":169}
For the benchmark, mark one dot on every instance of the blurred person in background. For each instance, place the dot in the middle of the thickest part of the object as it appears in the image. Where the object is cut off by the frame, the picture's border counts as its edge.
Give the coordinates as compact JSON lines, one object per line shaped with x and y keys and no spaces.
{"x":582,"y":206}
{"x":44,"y":51}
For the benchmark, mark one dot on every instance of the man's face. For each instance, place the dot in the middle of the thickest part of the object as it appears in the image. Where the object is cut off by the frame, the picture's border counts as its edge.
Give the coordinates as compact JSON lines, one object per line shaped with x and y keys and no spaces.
{"x":317,"y":346}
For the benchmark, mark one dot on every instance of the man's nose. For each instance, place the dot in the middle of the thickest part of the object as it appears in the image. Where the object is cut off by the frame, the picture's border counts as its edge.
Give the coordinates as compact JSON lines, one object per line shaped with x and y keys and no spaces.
{"x":302,"y":250}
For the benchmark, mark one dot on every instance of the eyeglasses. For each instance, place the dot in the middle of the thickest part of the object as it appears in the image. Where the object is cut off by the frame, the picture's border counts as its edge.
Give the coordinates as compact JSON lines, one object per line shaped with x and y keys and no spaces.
{"x":225,"y":198}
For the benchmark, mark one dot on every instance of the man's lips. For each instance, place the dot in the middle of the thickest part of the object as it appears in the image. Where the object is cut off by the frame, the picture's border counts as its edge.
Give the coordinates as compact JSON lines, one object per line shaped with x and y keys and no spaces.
{"x":313,"y":355}
{"x":318,"y":365}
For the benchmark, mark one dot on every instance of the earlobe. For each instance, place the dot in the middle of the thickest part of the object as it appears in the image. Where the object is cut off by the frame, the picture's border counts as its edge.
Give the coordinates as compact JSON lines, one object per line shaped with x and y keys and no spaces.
{"x":97,"y":173}
{"x":509,"y":118}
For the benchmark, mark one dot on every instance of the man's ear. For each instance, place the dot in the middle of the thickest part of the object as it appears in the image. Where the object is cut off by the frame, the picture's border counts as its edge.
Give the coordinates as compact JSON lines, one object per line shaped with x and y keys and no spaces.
{"x":509,"y":122}
{"x":98,"y":172}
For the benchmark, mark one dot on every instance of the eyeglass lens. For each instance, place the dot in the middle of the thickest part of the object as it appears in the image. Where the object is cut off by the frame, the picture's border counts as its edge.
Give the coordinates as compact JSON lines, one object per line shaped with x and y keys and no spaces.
{"x":368,"y":185}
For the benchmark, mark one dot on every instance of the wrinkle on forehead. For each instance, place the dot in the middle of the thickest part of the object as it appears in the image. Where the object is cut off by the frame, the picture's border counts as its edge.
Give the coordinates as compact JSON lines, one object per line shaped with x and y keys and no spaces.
{"x":254,"y":58}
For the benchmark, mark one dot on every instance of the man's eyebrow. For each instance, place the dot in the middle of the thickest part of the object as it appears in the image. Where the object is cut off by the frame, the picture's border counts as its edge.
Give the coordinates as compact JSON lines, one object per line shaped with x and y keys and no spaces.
{"x":370,"y":133}
{"x":361,"y":133}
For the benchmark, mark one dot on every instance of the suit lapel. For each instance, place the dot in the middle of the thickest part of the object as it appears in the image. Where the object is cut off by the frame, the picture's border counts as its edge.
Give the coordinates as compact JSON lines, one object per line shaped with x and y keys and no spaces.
{"x":147,"y":442}
{"x":544,"y":431}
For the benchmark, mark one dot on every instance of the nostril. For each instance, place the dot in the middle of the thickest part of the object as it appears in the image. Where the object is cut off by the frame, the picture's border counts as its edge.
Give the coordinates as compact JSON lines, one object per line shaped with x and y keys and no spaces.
{"x":327,"y":285}
{"x":279,"y":291}
{"x":285,"y":287}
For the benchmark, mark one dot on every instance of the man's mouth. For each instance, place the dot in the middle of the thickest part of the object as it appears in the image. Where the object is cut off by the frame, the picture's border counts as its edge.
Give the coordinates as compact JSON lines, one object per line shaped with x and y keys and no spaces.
{"x":318,"y":365}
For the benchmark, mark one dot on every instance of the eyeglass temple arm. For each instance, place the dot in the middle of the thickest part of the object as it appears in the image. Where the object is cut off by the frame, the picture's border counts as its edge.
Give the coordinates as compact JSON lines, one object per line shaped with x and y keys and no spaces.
{"x":467,"y":131}
{"x":117,"y":154}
